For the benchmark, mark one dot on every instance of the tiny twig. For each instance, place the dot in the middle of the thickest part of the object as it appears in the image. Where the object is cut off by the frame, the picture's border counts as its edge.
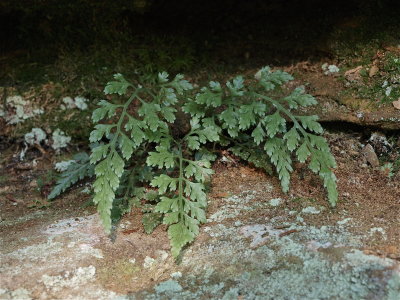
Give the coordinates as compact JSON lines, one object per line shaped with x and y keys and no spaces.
{"x":282,"y":226}
{"x":11,"y":198}
{"x":288,"y":232}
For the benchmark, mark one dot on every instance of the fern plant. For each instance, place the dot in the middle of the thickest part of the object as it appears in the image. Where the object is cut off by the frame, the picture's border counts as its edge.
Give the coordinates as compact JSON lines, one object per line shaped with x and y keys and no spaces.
{"x":153,"y":149}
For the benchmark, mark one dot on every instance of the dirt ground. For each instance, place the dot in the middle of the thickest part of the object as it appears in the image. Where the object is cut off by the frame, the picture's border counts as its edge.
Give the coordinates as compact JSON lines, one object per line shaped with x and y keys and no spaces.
{"x":258,"y":243}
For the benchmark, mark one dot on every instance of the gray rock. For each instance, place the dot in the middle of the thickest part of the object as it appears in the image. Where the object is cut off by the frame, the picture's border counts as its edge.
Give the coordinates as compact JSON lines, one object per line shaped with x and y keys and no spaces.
{"x":370,"y":155}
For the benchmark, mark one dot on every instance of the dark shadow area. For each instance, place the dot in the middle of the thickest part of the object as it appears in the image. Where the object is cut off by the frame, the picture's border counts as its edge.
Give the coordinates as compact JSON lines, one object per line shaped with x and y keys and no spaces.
{"x":183,"y":36}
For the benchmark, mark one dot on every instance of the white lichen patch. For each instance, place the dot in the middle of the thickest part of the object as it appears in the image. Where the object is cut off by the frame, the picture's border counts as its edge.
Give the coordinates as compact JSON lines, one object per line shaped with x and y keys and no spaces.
{"x":168,"y":286}
{"x":310,"y":210}
{"x":22,"y":219}
{"x":217,"y":230}
{"x":259,"y":233}
{"x":275,"y":202}
{"x":237,"y":223}
{"x":88,"y":249}
{"x":68,"y":103}
{"x":59,"y":140}
{"x":77,"y":102}
{"x":394,"y":286}
{"x":38,"y":252}
{"x":148,"y":262}
{"x":261,"y":262}
{"x":360,"y":259}
{"x":74,"y":279}
{"x":80,"y":103}
{"x":329,"y":69}
{"x":35,"y":136}
{"x":87,"y":190}
{"x":70,"y":225}
{"x":63,"y":165}
{"x":18,"y":294}
{"x":162,"y":255}
{"x":380,"y":230}
{"x":233,"y":206}
{"x":344,"y":221}
{"x":125,"y":224}
{"x":18,"y":110}
{"x":315,"y":245}
{"x":176,"y":275}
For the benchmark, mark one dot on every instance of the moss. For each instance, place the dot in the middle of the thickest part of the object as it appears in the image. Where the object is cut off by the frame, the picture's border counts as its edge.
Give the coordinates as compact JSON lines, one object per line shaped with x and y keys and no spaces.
{"x":120,"y":270}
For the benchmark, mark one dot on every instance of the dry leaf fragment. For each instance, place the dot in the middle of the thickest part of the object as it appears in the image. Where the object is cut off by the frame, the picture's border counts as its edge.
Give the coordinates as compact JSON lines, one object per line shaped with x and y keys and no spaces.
{"x":221,"y":195}
{"x":396,"y":104}
{"x":353,"y":74}
{"x":373,"y":71}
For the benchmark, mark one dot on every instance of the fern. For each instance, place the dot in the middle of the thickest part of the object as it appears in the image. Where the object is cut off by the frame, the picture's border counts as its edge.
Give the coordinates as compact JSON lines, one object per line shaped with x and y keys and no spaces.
{"x":152,"y":150}
{"x":76,"y":171}
{"x":251,"y":113}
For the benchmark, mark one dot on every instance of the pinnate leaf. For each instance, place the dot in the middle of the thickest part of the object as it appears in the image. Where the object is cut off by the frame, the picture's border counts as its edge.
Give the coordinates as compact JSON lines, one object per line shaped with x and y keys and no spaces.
{"x":194,"y":109}
{"x":149,"y":112}
{"x":179,"y":235}
{"x":76,"y":171}
{"x":258,"y":134}
{"x":119,"y":86}
{"x":181,"y":84}
{"x":192,"y":224}
{"x":167,"y":205}
{"x":292,"y":138}
{"x":164,"y":183}
{"x":135,"y":127}
{"x":280,"y":157}
{"x":310,"y":122}
{"x":303,"y":152}
{"x":299,"y":97}
{"x":274,"y":124}
{"x":246,"y":117}
{"x":106,"y":108}
{"x":200,"y":169}
{"x":100,"y":130}
{"x":229,"y":117}
{"x":210,"y":97}
{"x":169,"y":96}
{"x":193,"y":142}
{"x":208,"y":134}
{"x":195,"y":191}
{"x":162,"y":158}
{"x":127,"y":146}
{"x":269,"y":80}
{"x":169,"y":114}
{"x":99,"y":153}
{"x":319,"y":142}
{"x":171,"y":218}
{"x":163,"y":77}
{"x":235,"y":86}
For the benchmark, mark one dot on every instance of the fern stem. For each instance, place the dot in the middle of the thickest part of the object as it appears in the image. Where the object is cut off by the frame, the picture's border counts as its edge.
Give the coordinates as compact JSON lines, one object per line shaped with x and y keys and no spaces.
{"x":151,"y":93}
{"x":121,"y":119}
{"x":180,"y":182}
{"x":286,"y":112}
{"x":232,"y":140}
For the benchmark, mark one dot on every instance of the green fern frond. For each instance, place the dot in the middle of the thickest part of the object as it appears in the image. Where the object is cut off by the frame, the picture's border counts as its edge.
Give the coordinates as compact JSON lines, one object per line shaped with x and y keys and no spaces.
{"x":76,"y":171}
{"x":137,"y":147}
